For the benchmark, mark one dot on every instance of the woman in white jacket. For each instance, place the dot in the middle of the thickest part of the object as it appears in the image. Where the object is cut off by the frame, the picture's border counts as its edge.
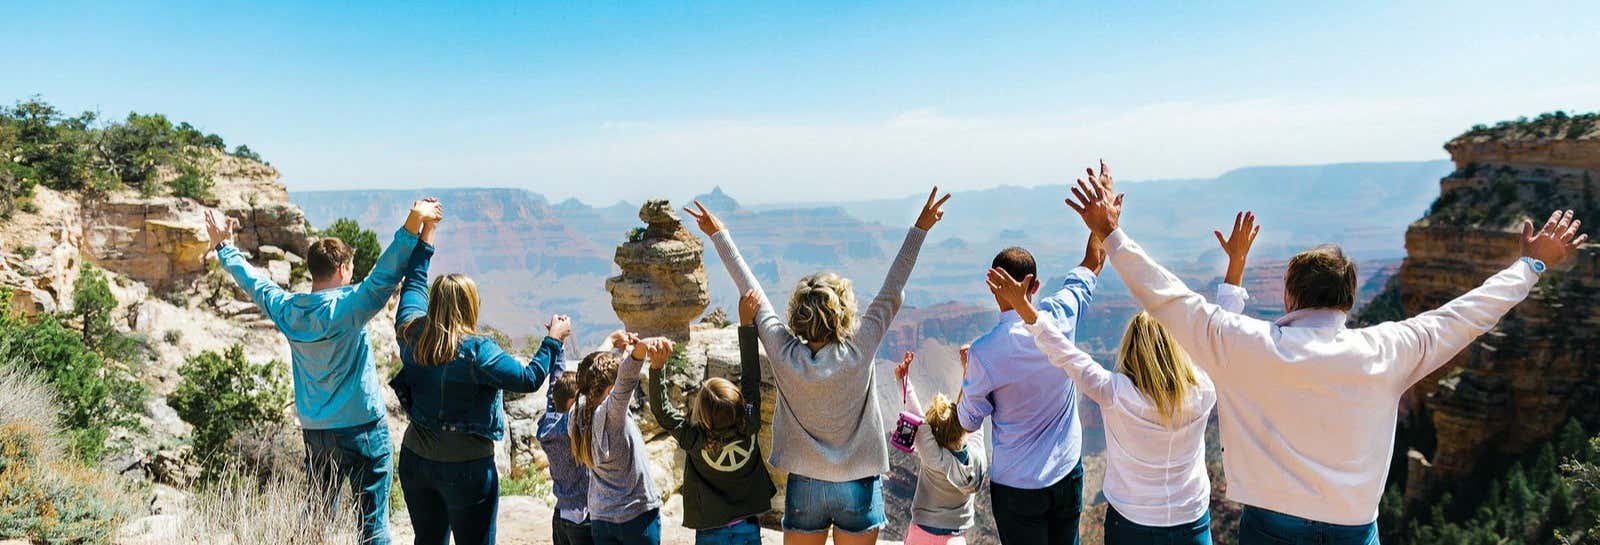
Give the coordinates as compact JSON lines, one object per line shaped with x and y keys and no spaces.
{"x":1155,"y":406}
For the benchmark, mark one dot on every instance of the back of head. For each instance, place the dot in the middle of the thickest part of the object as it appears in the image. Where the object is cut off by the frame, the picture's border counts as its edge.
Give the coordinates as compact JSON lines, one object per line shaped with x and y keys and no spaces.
{"x":452,"y":316}
{"x":823,"y":308}
{"x":563,"y":391}
{"x":943,"y":423}
{"x":1017,"y":262}
{"x":1321,"y":277}
{"x":596,"y":373}
{"x":1157,"y":366}
{"x":326,"y":256}
{"x":719,"y":410}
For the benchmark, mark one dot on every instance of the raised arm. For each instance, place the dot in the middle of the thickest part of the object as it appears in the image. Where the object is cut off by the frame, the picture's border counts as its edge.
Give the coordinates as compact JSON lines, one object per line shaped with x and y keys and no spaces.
{"x":414,"y":293}
{"x":750,"y":361}
{"x":501,"y":370}
{"x":263,"y":291}
{"x":1438,"y":335}
{"x":1231,"y":294}
{"x":902,"y":374}
{"x":1096,"y":381}
{"x":880,"y":313}
{"x":615,"y":406}
{"x":1203,"y":329}
{"x":667,"y":416}
{"x":974,"y":404}
{"x":374,"y":291}
{"x":774,"y":334}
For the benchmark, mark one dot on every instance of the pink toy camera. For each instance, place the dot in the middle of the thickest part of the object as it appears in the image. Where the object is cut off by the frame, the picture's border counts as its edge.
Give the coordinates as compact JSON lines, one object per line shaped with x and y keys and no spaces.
{"x":905,"y":429}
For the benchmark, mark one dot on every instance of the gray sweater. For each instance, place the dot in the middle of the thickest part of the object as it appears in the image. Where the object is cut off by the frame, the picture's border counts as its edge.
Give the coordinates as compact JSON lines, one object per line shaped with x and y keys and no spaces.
{"x":620,"y":487}
{"x":946,"y":484}
{"x":827,"y":425}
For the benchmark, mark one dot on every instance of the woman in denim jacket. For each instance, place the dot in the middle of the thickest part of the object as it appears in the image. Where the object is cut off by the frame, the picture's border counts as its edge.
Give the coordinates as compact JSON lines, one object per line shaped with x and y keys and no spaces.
{"x":451,"y":386}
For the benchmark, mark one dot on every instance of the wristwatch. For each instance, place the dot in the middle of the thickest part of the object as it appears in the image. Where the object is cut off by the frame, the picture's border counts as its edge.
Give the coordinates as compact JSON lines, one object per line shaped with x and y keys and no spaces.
{"x":1538,"y":266}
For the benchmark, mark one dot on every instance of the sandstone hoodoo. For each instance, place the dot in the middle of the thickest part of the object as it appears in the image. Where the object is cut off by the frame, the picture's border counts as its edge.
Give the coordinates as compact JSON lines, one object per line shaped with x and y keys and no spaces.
{"x":1519,"y":384}
{"x":662,"y":288}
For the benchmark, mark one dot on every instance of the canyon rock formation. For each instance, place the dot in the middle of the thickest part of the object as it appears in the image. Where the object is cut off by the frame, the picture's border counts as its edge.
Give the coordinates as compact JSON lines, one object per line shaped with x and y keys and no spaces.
{"x":662,"y":288}
{"x":1517,"y":385}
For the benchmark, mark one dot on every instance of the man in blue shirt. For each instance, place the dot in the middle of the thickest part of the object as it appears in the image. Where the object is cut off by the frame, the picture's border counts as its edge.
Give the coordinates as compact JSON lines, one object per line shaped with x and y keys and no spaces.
{"x":336,"y":389}
{"x":1035,"y":477}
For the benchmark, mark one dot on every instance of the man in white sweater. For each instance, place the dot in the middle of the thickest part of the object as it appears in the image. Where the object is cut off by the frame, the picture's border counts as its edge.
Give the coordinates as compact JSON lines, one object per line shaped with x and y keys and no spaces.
{"x":1307,"y":406}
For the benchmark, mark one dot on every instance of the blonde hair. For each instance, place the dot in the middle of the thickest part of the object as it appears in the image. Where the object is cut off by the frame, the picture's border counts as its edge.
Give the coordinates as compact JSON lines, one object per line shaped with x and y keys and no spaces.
{"x":823,"y":308}
{"x":942,"y":422}
{"x":596,"y":373}
{"x":1158,"y":367}
{"x":719,"y":410}
{"x":452,"y":315}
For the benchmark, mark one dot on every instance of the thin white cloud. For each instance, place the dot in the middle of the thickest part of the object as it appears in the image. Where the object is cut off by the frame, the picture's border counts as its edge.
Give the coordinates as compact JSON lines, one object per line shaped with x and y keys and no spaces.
{"x":766,"y":161}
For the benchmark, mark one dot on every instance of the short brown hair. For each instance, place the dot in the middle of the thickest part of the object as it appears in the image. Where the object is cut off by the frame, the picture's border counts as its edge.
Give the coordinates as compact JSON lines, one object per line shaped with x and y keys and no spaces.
{"x":1321,"y":277}
{"x":563,"y":390}
{"x":326,"y":256}
{"x":1017,"y":262}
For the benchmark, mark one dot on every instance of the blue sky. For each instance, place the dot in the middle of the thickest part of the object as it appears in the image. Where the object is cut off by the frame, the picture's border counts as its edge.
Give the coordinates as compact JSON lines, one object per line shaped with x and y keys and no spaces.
{"x":804,"y":101}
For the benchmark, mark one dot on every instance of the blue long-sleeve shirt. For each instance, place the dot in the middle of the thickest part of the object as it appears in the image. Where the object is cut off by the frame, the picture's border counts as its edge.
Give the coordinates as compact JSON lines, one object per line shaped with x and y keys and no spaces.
{"x":1032,"y":404}
{"x":335,"y":379}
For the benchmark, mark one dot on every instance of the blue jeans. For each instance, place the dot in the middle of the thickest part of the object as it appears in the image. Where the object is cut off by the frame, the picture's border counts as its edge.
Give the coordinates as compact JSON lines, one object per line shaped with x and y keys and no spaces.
{"x":743,"y":533}
{"x":853,"y":507}
{"x":642,"y":530}
{"x":1259,"y":526}
{"x":450,"y":498}
{"x":360,"y":455}
{"x":1039,"y":516}
{"x":1121,"y":531}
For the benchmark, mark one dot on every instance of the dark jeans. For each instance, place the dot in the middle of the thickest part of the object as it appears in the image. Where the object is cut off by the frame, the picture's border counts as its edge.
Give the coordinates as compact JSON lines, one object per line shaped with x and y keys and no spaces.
{"x":566,"y":532}
{"x":744,"y":533}
{"x":1039,"y":516}
{"x":1259,"y":526}
{"x":360,"y":455}
{"x":1121,"y":531}
{"x":642,"y":530}
{"x":450,"y":498}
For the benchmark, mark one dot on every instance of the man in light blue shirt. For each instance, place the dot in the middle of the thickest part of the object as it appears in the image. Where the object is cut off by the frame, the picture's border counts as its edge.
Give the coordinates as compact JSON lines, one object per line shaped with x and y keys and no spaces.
{"x":1035,"y":478}
{"x":336,"y":389}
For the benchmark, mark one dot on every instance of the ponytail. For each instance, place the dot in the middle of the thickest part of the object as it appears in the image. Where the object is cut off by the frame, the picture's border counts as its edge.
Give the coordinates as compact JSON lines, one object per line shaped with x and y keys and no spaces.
{"x":596,"y":373}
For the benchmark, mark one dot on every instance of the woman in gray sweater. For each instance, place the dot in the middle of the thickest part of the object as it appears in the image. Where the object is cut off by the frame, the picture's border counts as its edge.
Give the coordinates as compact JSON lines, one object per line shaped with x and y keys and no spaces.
{"x":827,"y":432}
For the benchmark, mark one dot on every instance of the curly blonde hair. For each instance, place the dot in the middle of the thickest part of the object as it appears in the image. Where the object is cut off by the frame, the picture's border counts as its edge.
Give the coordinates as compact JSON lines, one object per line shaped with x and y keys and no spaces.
{"x":823,"y":308}
{"x":942,"y":422}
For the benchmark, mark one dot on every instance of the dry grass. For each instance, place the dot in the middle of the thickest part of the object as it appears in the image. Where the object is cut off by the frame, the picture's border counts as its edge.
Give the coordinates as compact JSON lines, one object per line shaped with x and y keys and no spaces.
{"x":284,"y":508}
{"x":45,"y":496}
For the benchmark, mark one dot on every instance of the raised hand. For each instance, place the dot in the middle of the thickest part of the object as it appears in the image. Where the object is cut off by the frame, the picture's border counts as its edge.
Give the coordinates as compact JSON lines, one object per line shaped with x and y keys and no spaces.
{"x":964,"y":349}
{"x":708,"y":222}
{"x":903,"y":370}
{"x":559,"y":327}
{"x":1104,"y":177}
{"x":1014,"y":292}
{"x":659,"y":351}
{"x":637,"y":348}
{"x":1556,"y":241}
{"x":749,"y":304}
{"x":219,"y":227}
{"x":1237,"y":245}
{"x":932,"y":211}
{"x":428,"y":210}
{"x":1100,"y":208}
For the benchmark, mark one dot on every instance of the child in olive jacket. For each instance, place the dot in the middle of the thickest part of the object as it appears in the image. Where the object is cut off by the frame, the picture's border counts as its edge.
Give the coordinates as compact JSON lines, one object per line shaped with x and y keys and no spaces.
{"x":725,"y":483}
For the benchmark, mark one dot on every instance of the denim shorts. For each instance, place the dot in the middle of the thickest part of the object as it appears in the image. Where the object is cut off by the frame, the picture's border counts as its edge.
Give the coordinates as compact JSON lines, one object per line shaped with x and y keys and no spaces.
{"x":853,"y":507}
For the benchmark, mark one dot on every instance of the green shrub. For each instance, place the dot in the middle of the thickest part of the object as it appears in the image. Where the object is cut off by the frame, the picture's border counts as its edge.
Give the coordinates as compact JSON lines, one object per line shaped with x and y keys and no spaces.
{"x":87,"y":153}
{"x":191,"y":184}
{"x":223,"y":394}
{"x":95,"y":394}
{"x":363,"y":241}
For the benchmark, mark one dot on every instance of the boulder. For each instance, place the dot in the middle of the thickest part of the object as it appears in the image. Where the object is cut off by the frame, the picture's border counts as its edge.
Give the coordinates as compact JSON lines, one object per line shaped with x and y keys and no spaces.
{"x":663,"y":285}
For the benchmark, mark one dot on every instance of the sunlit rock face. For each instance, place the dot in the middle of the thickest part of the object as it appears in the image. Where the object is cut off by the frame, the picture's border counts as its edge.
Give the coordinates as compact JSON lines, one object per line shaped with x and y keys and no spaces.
{"x":1517,"y":385}
{"x":662,"y":288}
